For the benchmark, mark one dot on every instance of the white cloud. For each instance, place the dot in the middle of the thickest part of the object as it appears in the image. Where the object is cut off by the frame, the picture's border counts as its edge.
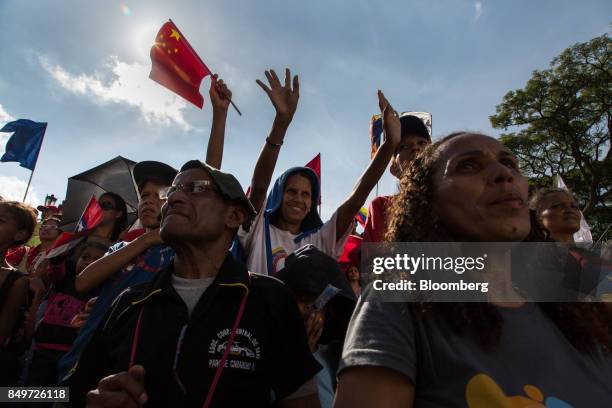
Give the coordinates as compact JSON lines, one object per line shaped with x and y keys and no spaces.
{"x":130,"y":84}
{"x":4,"y":137}
{"x":12,"y":188}
{"x":477,"y":10}
{"x":4,"y":116}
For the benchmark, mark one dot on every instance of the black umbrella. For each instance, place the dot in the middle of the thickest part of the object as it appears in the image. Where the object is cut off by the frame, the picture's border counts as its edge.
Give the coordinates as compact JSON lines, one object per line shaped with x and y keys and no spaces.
{"x":115,"y":175}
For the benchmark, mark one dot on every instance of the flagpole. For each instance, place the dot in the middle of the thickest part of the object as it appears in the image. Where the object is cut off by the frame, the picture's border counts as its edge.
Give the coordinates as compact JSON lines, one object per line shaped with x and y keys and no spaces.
{"x":28,"y":186}
{"x":202,"y":62}
{"x":35,"y":163}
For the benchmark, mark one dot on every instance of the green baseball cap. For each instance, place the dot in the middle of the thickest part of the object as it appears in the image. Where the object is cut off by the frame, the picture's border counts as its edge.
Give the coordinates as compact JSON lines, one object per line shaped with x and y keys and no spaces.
{"x":227,"y":184}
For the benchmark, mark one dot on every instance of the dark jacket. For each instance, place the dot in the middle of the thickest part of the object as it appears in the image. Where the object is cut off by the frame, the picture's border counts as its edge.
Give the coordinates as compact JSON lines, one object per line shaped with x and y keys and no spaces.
{"x":269,"y":358}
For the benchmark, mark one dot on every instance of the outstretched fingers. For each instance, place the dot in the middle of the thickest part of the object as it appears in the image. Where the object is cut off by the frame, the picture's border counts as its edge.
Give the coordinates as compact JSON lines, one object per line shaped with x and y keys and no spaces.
{"x":274,"y":82}
{"x":263,"y":86}
{"x":287,"y":78}
{"x":296,"y":85}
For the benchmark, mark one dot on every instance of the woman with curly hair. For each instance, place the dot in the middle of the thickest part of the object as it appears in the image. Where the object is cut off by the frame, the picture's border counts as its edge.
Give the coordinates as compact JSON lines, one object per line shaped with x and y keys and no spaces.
{"x":468,"y":188}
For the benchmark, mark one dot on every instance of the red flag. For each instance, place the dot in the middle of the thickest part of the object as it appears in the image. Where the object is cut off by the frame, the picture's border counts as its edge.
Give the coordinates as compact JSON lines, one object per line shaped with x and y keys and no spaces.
{"x":91,"y":218}
{"x":315,"y":165}
{"x":176,"y":65}
{"x":350,"y":254}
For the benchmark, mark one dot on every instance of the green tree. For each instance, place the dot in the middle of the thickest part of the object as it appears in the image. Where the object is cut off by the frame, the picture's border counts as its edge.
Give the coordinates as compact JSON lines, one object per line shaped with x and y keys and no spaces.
{"x":560,"y":124}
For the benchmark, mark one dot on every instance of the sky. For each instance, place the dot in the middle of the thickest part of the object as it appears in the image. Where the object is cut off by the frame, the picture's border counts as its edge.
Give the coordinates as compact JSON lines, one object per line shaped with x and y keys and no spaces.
{"x":82,"y":66}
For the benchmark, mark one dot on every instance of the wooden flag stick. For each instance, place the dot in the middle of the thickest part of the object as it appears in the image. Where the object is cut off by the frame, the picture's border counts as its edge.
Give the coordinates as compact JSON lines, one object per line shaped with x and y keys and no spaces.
{"x":235,"y":107}
{"x":202,"y":62}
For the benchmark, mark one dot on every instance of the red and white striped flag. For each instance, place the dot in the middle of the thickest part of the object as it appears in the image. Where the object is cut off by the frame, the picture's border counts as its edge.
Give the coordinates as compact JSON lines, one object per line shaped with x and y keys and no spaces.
{"x":91,"y":218}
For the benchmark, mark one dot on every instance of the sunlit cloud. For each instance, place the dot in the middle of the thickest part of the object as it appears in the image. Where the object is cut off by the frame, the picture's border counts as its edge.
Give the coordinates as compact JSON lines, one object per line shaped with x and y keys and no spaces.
{"x":13,"y":189}
{"x":477,"y":10}
{"x":4,"y":117}
{"x":130,"y":85}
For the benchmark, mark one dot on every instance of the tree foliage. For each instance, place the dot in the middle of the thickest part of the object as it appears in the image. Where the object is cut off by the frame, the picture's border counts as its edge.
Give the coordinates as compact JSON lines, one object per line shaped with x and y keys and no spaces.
{"x":560,"y":124}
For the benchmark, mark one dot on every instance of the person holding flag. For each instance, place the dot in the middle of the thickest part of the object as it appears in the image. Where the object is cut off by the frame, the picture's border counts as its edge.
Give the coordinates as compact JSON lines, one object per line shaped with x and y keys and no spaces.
{"x":287,"y":219}
{"x":205,"y":332}
{"x":415,"y":137}
{"x":127,"y":263}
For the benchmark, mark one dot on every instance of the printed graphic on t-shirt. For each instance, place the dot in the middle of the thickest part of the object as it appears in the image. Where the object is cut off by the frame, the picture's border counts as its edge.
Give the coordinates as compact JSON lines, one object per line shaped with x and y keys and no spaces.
{"x":61,"y":309}
{"x":483,"y":392}
{"x":278,"y":259}
{"x":244,"y":353}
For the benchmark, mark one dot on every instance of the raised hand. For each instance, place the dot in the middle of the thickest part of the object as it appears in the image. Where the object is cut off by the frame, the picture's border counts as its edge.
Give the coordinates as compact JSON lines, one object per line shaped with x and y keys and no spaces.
{"x":220,"y":94}
{"x":390,"y":120}
{"x":152,"y":237}
{"x":284,"y":97}
{"x":80,"y":318}
{"x":125,"y":389}
{"x":314,"y":328}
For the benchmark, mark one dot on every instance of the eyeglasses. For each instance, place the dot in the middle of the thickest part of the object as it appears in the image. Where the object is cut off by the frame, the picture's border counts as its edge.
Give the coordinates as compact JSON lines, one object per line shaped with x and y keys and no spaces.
{"x":106,"y":206}
{"x":49,"y":227}
{"x":191,"y":187}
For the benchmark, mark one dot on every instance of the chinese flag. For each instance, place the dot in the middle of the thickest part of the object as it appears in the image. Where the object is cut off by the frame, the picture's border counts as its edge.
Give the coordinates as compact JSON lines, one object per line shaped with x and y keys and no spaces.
{"x":176,"y":65}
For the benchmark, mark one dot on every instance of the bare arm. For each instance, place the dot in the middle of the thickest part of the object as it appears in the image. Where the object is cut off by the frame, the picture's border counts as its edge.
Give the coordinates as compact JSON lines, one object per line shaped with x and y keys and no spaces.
{"x":392,"y":127}
{"x":38,"y":288}
{"x":285,"y":100}
{"x":102,"y":269}
{"x":16,"y":298}
{"x":220,"y":96}
{"x":373,"y":387}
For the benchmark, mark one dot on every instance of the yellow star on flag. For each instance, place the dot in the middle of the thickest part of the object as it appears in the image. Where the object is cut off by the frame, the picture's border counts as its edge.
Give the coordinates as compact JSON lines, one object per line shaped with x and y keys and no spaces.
{"x":175,"y":34}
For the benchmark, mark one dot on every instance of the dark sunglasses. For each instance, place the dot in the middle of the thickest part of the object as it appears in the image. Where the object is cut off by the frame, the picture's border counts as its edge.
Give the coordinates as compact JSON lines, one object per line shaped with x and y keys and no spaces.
{"x":48,"y":227}
{"x":106,"y":206}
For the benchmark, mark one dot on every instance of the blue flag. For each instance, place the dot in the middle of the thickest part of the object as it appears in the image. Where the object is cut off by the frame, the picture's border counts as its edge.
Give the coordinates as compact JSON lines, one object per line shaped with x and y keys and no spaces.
{"x":24,"y":145}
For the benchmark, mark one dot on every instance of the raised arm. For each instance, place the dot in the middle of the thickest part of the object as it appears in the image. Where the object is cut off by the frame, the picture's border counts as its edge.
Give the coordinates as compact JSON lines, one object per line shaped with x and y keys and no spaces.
{"x":285,"y":100}
{"x":104,"y":268}
{"x":220,"y":97}
{"x":392,"y":129}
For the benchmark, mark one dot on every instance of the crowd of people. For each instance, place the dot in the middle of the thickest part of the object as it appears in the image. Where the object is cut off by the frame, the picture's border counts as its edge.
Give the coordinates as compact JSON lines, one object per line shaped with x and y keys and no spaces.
{"x":223,"y":298}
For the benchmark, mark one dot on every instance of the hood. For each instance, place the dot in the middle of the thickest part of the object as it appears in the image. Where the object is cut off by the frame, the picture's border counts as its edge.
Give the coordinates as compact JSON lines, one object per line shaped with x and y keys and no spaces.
{"x":275,"y":198}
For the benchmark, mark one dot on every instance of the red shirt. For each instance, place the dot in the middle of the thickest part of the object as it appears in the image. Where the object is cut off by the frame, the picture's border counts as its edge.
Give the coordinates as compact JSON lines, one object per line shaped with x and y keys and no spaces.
{"x":376,"y":223}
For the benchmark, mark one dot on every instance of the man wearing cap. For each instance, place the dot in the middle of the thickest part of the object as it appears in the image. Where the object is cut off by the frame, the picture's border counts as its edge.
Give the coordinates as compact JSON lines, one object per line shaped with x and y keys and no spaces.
{"x":205,"y":332}
{"x":127,"y":263}
{"x":415,"y":137}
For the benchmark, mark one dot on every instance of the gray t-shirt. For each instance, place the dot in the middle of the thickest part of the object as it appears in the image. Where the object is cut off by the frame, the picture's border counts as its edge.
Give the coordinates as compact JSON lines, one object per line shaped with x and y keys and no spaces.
{"x":190,"y":290}
{"x":533,"y":365}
